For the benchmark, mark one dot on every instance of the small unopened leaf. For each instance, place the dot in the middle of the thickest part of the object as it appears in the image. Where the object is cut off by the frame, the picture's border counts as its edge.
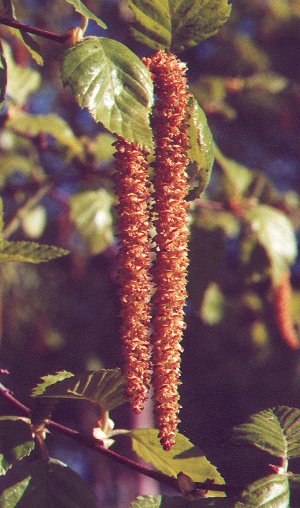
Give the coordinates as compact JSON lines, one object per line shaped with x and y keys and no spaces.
{"x":178,"y":502}
{"x":21,"y":81}
{"x":114,"y":84}
{"x":268,"y":492}
{"x":276,"y":431}
{"x":177,"y":24}
{"x":91,"y":214}
{"x":15,"y":441}
{"x":29,"y":252}
{"x":103,"y":387}
{"x":183,"y":457}
{"x":274,"y":232}
{"x":33,"y":125}
{"x":51,"y":484}
{"x":201,"y":152}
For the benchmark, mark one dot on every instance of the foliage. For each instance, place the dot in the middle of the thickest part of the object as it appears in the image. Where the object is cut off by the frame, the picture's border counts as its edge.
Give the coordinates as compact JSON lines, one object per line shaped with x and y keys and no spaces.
{"x":57,"y":131}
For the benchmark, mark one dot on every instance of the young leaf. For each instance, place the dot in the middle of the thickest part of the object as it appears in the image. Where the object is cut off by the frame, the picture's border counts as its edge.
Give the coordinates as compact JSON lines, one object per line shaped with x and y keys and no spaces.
{"x":104,"y":387}
{"x":183,"y":457}
{"x":113,"y":83}
{"x":51,"y":484}
{"x":21,"y":81}
{"x":91,"y":213}
{"x":82,"y":9}
{"x":268,"y":492}
{"x":50,"y":380}
{"x":29,"y":252}
{"x":178,"y":502}
{"x":177,"y":24}
{"x":24,"y":37}
{"x":32,"y":125}
{"x":15,"y":441}
{"x":276,"y":431}
{"x":201,"y":152}
{"x":3,"y":76}
{"x":275,"y":234}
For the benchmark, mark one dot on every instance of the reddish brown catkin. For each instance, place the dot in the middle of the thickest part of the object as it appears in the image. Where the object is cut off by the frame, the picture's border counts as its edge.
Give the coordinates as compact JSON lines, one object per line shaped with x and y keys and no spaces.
{"x":132,"y":189}
{"x":170,"y":218}
{"x":282,"y":303}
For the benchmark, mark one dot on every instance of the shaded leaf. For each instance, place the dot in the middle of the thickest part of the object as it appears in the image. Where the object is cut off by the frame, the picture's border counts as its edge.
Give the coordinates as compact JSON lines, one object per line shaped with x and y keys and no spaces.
{"x":276,"y":431}
{"x":3,"y":76}
{"x":82,"y":9}
{"x":183,"y":457}
{"x":275,"y":234}
{"x":21,"y":81}
{"x":114,"y":84}
{"x":268,"y":492}
{"x":104,"y":387}
{"x":236,"y":177}
{"x":33,"y":125}
{"x":12,"y":162}
{"x":177,"y":24}
{"x":178,"y":502}
{"x":91,"y":213}
{"x":25,"y":38}
{"x":201,"y":152}
{"x":101,"y":147}
{"x":15,"y":441}
{"x":51,"y":484}
{"x":29,"y":252}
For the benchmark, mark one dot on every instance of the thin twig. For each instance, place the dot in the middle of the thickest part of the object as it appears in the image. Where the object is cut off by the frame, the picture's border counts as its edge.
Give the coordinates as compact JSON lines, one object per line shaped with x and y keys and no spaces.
{"x":34,"y":30}
{"x":95,"y":445}
{"x":16,"y":221}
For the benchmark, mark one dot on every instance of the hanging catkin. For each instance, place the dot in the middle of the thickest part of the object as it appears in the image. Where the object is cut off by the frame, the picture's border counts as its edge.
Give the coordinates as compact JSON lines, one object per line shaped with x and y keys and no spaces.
{"x":132,"y":189}
{"x":170,"y":123}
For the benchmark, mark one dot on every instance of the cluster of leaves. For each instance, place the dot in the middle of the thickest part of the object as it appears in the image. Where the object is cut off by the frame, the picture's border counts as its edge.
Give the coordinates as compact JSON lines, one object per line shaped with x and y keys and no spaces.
{"x":242,"y":208}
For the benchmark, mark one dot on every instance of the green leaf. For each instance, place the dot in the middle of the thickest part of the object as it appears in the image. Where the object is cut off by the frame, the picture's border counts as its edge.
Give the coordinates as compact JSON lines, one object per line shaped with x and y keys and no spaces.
{"x":213,"y":306}
{"x":268,"y":492}
{"x":178,"y":502}
{"x":276,"y":431}
{"x":236,"y":177}
{"x":177,"y":24}
{"x":101,"y":147}
{"x":3,"y":76}
{"x":15,"y":441}
{"x":51,"y":484}
{"x":183,"y":457}
{"x":201,"y":152}
{"x":29,"y":252}
{"x":50,"y":380}
{"x":104,"y":387}
{"x":84,"y":11}
{"x":114,"y":84}
{"x":8,"y":11}
{"x":33,"y":125}
{"x":21,"y":81}
{"x":275,"y":234}
{"x":91,"y":214}
{"x":11,"y":162}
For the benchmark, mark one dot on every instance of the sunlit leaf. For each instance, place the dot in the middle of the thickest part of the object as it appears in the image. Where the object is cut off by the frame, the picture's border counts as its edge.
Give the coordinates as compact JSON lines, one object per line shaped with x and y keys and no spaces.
{"x":15,"y":441}
{"x":21,"y":81}
{"x":177,"y":24}
{"x":104,"y":387}
{"x":101,"y":147}
{"x":51,"y":484}
{"x":274,"y":232}
{"x":268,"y":492}
{"x":201,"y":152}
{"x":33,"y":125}
{"x":276,"y":431}
{"x":213,"y":305}
{"x":34,"y":222}
{"x":91,"y":213}
{"x":183,"y":457}
{"x":178,"y":502}
{"x":49,"y":380}
{"x":114,"y":84}
{"x":29,"y":252}
{"x":82,"y":9}
{"x":12,"y":162}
